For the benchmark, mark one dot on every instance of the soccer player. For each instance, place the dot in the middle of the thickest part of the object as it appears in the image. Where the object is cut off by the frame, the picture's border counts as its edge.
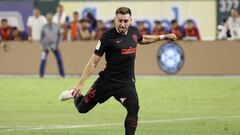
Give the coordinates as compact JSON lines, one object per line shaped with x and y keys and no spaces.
{"x":118,"y":79}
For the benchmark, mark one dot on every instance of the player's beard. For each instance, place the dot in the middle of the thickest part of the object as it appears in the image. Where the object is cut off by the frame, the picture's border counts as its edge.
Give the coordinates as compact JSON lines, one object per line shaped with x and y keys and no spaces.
{"x":122,"y":30}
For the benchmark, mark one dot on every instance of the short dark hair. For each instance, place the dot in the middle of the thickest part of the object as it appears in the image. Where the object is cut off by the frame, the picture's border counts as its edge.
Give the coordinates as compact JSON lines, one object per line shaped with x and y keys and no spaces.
{"x":124,"y":11}
{"x":75,"y":13}
{"x":190,"y":21}
{"x":157,"y":22}
{"x":4,"y":20}
{"x":36,"y":8}
{"x":14,"y":28}
{"x":174,"y":21}
{"x":59,"y":5}
{"x":83,"y":20}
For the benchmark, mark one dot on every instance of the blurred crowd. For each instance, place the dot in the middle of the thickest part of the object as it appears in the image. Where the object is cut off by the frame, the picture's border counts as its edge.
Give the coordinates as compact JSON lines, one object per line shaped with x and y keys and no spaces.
{"x":188,"y":31}
{"x":89,"y":28}
{"x":8,"y":32}
{"x":86,"y":28}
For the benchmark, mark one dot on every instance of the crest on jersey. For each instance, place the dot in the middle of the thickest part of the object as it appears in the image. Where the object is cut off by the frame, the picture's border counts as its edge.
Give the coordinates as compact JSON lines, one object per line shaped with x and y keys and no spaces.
{"x":170,"y":57}
{"x":98,"y":45}
{"x":135,"y":38}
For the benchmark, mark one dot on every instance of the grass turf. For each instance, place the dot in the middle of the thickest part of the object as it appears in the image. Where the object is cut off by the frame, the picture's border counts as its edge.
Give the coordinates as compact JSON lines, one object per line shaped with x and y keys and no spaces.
{"x":184,"y":106}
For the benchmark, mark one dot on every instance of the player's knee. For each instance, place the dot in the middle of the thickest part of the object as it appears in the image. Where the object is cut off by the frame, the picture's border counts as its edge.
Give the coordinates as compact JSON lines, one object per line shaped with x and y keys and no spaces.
{"x":80,"y":105}
{"x":82,"y":110}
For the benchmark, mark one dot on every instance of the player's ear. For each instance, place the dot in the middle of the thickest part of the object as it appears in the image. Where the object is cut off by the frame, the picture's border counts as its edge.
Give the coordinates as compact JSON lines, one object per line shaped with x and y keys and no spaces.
{"x":130,"y":21}
{"x":115,"y":19}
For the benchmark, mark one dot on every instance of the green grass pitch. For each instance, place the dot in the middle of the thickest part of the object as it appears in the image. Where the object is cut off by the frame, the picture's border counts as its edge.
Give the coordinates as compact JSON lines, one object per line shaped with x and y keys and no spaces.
{"x":168,"y":106}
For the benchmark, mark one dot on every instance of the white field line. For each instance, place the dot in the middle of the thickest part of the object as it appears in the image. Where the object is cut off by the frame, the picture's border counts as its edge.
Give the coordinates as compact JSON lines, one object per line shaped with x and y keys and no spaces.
{"x":48,"y":127}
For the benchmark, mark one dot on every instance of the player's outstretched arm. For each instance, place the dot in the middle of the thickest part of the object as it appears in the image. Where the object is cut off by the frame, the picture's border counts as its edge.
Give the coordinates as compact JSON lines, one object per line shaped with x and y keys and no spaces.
{"x":92,"y":63}
{"x":148,"y":39}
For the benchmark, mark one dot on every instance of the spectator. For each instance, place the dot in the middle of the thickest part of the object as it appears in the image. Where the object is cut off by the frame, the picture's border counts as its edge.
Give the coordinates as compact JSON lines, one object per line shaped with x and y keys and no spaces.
{"x":5,"y":30}
{"x":17,"y":35}
{"x":60,"y":18}
{"x":233,"y":25}
{"x":159,"y":29}
{"x":111,"y":24}
{"x":35,"y":24}
{"x":176,"y":29}
{"x":92,"y":20}
{"x":220,"y":28}
{"x":75,"y":27}
{"x":100,"y":29}
{"x":93,"y":24}
{"x":191,"y":31}
{"x":85,"y":34}
{"x":50,"y":38}
{"x":143,"y":30}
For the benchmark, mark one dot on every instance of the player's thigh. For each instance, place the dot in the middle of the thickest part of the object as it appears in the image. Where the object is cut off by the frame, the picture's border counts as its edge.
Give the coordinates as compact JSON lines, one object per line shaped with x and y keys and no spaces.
{"x":101,"y":91}
{"x":127,"y":92}
{"x":82,"y":106}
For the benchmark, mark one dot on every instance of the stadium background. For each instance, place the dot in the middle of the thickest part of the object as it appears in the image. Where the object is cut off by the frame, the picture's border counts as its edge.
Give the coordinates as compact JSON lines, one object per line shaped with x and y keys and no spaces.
{"x":204,"y":63}
{"x":179,"y":105}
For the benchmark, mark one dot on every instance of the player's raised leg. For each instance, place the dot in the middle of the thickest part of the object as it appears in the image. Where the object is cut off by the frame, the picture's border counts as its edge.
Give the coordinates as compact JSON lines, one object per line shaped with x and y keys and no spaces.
{"x":82,"y":105}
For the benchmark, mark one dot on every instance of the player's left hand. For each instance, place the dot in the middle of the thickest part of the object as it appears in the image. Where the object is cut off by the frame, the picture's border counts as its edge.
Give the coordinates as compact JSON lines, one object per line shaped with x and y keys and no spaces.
{"x":170,"y":37}
{"x":75,"y":92}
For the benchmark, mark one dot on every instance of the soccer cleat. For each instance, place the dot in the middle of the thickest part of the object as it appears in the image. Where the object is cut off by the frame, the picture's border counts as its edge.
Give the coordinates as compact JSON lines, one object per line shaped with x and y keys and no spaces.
{"x":66,"y":95}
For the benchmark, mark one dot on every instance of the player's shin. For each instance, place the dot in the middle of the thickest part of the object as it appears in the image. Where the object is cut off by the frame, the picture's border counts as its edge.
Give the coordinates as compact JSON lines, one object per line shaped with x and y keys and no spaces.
{"x":131,"y":120}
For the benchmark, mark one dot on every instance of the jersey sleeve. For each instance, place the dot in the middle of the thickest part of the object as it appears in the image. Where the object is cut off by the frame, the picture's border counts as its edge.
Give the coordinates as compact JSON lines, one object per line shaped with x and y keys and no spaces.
{"x":101,"y":47}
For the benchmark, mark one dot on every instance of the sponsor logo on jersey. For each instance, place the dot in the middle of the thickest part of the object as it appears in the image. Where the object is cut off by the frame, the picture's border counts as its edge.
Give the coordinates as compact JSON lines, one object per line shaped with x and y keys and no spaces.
{"x":118,"y":41}
{"x":135,"y":38}
{"x":130,"y":50}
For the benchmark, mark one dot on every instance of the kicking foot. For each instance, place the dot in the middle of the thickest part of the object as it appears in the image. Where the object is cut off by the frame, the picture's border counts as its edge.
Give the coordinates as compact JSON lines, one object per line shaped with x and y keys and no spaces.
{"x":66,"y":95}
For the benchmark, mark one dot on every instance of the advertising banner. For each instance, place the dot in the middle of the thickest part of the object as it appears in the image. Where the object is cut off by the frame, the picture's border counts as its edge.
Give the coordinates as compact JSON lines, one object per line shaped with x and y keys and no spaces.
{"x":202,"y":12}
